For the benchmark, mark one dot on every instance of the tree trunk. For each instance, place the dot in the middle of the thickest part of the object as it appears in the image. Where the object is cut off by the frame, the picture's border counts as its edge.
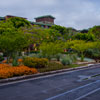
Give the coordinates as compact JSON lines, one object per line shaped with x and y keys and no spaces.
{"x":82,"y":56}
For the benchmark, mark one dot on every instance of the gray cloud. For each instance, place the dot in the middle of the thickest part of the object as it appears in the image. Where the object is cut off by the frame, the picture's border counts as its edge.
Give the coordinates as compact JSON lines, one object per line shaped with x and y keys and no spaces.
{"x":79,"y":14}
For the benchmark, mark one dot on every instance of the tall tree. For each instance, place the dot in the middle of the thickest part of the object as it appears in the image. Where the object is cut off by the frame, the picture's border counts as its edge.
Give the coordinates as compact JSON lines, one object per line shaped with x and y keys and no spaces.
{"x":96,"y":31}
{"x":66,"y":33}
{"x":18,"y":22}
{"x":12,"y":40}
{"x":60,"y":29}
{"x":81,"y":46}
{"x":51,"y":49}
{"x":85,"y":36}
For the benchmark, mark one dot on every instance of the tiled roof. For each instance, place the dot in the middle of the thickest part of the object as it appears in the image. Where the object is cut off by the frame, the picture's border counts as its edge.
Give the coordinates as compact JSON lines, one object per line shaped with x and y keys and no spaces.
{"x":14,"y":16}
{"x":40,"y":23}
{"x":45,"y":16}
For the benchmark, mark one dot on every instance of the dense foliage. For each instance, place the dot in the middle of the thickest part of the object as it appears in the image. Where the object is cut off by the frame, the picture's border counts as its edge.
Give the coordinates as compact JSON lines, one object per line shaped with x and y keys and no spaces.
{"x":84,"y":36}
{"x":35,"y":62}
{"x":7,"y":71}
{"x":17,"y":35}
{"x":96,"y":31}
{"x":18,"y":22}
{"x":51,"y":49}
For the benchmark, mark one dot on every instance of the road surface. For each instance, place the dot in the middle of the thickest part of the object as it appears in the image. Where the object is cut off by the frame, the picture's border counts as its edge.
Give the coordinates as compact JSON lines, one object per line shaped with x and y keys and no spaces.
{"x":74,"y":85}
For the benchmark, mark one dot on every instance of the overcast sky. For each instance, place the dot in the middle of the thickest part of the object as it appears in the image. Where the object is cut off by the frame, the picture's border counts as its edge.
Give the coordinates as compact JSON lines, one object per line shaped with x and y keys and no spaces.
{"x":79,"y":14}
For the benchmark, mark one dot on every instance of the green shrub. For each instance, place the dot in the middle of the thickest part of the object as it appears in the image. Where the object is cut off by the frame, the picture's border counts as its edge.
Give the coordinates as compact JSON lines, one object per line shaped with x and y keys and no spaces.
{"x":93,"y":53}
{"x":1,"y":58}
{"x":51,"y":66}
{"x":58,"y":56}
{"x":69,"y":59}
{"x":36,"y":52}
{"x":73,"y":57}
{"x":39,"y":55}
{"x":33,"y":55}
{"x":35,"y":62}
{"x":14,"y":62}
{"x":66,"y":60}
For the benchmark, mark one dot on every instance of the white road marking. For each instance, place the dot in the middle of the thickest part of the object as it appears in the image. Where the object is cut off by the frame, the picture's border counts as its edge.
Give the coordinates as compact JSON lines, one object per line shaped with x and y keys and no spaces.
{"x":73,"y":90}
{"x":88,"y":94}
{"x":41,"y":77}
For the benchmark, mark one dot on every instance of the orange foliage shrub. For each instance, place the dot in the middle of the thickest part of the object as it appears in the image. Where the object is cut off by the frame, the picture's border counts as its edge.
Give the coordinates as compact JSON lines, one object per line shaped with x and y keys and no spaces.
{"x":5,"y":61}
{"x":7,"y":71}
{"x":2,"y":66}
{"x":20,"y":60}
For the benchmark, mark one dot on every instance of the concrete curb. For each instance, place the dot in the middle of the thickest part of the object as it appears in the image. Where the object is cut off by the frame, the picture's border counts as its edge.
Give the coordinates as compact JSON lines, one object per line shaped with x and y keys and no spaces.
{"x":45,"y":73}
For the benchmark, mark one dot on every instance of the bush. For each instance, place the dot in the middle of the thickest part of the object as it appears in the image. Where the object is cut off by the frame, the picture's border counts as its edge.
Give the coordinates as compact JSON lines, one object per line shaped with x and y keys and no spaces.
{"x":69,"y":59}
{"x":12,"y":61}
{"x":58,"y":56}
{"x":93,"y":53}
{"x":1,"y":58}
{"x":35,"y":62}
{"x":15,"y":62}
{"x":7,"y":71}
{"x":73,"y":57}
{"x":66,"y":60}
{"x":52,"y":66}
{"x":5,"y":61}
{"x":36,"y":52}
{"x":39,"y":55}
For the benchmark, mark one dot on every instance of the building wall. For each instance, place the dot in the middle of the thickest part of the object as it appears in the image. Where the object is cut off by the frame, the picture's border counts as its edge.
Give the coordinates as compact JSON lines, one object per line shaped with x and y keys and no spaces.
{"x":43,"y":26}
{"x":46,"y":20}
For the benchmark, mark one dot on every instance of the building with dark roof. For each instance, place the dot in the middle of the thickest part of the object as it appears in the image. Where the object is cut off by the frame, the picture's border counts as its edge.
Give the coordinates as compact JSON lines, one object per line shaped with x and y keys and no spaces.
{"x":48,"y":19}
{"x":43,"y":21}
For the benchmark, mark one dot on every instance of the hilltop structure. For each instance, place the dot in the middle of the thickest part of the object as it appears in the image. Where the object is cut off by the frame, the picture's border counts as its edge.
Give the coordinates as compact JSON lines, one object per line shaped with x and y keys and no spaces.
{"x":43,"y":21}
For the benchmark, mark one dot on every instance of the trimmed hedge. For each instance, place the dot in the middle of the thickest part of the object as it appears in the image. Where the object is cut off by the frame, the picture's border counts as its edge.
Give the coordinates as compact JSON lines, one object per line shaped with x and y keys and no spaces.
{"x":35,"y":62}
{"x":7,"y":71}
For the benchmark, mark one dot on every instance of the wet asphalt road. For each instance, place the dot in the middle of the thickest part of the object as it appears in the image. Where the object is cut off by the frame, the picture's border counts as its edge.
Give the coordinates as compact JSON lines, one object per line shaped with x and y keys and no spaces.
{"x":73,"y":85}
